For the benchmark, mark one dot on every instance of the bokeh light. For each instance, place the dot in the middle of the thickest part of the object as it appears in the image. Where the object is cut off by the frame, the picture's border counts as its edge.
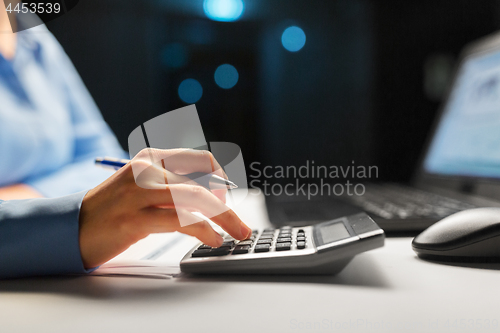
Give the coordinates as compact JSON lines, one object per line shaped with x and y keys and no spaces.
{"x":226,"y":76}
{"x":224,"y":10}
{"x":174,"y":55}
{"x":293,"y":39}
{"x":190,"y":91}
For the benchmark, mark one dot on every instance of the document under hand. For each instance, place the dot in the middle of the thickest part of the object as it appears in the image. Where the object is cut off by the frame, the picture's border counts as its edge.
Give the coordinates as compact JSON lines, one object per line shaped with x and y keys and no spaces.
{"x":156,"y":256}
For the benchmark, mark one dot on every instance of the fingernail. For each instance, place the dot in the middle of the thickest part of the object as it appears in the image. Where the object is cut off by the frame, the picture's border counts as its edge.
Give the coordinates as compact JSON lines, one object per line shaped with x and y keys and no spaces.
{"x":245,"y":231}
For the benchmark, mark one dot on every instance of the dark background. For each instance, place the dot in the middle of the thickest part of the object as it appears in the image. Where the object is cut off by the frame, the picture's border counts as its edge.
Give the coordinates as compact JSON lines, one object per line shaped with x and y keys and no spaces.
{"x":366,"y":87}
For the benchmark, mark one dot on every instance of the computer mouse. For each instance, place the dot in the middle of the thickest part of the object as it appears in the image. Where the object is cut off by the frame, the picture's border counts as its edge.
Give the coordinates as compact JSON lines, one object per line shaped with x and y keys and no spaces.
{"x":470,"y":235}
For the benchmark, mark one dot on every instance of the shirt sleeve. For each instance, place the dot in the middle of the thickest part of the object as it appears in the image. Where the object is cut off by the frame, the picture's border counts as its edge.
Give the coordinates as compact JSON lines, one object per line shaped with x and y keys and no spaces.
{"x":92,"y":136}
{"x":40,"y":237}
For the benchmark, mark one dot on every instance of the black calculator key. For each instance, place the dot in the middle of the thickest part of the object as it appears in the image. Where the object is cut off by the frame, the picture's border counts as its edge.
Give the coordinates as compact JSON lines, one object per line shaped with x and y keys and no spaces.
{"x":220,"y":251}
{"x":264,"y":241}
{"x":269,"y":230}
{"x":262,"y":247}
{"x":301,"y":239}
{"x":284,"y":235}
{"x":245,"y":242}
{"x":266,"y":237}
{"x":204,"y":247}
{"x":255,"y":231}
{"x":241,"y":249}
{"x":301,"y":231}
{"x":284,"y":240}
{"x":201,"y":253}
{"x":286,"y":229}
{"x":301,"y":245}
{"x":283,"y":246}
{"x":228,"y":244}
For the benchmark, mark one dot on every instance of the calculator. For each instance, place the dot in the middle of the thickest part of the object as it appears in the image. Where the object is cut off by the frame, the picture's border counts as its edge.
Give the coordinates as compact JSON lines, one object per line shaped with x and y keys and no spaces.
{"x":324,"y":248}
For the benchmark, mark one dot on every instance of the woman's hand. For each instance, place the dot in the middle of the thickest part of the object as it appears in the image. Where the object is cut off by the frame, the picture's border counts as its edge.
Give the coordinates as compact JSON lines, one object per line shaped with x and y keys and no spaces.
{"x":118,"y":212}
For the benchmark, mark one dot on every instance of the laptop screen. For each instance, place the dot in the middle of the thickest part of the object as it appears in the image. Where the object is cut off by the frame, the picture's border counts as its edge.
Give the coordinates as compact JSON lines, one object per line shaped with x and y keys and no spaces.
{"x":467,"y":139}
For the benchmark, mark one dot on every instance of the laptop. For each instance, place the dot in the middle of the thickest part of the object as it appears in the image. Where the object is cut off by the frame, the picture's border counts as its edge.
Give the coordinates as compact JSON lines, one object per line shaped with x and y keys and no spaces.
{"x":459,"y":170}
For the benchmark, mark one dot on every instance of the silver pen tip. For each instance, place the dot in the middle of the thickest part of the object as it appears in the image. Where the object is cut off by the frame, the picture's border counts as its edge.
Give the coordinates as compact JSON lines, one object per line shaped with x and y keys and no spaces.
{"x":231,"y":185}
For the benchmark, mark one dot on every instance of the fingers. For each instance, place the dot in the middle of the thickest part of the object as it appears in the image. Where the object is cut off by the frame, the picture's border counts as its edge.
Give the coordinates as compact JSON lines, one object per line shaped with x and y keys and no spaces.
{"x":149,"y":166}
{"x":198,"y":199}
{"x":220,"y":194}
{"x":182,"y":161}
{"x":156,"y":177}
{"x":167,"y":220}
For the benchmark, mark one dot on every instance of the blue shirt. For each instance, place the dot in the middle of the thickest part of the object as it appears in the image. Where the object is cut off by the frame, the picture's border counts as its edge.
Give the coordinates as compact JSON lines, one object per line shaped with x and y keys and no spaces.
{"x":50,"y":128}
{"x":40,"y":237}
{"x":50,"y":133}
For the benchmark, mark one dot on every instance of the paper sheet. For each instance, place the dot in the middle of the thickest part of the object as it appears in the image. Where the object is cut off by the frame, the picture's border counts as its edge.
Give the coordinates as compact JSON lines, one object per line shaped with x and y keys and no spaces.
{"x":156,"y":256}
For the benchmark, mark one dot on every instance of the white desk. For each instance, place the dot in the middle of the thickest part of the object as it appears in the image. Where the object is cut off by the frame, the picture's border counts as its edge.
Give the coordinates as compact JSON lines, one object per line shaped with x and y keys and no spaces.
{"x":385,"y":290}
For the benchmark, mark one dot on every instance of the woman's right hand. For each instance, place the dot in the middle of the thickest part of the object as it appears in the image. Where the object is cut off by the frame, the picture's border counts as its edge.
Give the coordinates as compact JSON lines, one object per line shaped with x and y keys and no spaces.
{"x":118,"y":212}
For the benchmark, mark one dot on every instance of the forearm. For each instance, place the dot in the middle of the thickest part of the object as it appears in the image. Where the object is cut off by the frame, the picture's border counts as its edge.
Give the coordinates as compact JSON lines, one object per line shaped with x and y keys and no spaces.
{"x":19,"y":192}
{"x":40,"y":237}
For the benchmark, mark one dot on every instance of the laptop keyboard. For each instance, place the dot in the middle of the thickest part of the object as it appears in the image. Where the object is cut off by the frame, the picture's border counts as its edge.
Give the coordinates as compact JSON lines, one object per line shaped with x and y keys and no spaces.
{"x":392,"y":201}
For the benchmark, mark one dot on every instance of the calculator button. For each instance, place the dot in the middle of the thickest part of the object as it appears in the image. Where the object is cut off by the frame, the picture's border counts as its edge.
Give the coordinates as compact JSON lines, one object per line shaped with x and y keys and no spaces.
{"x":265,"y":237}
{"x":220,"y":251}
{"x":285,"y":236}
{"x":269,"y":230}
{"x":283,"y":246}
{"x":262,"y":247}
{"x":284,"y":240}
{"x":264,"y":241}
{"x":287,"y":228}
{"x":301,"y":245}
{"x":301,"y":231}
{"x":245,"y":242}
{"x":200,"y":253}
{"x":255,"y":231}
{"x":228,"y":244}
{"x":241,"y":249}
{"x":301,"y":239}
{"x":204,"y":247}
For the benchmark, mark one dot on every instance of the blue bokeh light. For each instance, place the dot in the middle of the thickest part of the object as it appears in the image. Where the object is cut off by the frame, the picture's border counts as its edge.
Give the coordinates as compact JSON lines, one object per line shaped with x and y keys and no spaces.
{"x":174,"y":55}
{"x":226,"y":76}
{"x":190,"y":91}
{"x":293,"y":39}
{"x":224,"y":10}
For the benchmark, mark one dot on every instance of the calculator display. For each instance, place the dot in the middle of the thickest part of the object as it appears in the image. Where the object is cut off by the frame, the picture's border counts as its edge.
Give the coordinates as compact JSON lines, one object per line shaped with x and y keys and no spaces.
{"x":333,"y":232}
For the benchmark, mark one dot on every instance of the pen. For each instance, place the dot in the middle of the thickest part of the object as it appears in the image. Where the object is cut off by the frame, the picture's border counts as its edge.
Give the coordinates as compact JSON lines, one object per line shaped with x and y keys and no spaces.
{"x":208,"y":180}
